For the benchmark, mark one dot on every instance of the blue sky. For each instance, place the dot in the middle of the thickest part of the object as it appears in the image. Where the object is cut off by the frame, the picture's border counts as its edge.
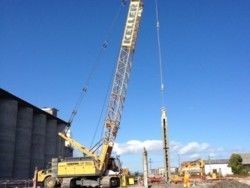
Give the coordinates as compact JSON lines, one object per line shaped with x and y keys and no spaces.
{"x":47,"y":49}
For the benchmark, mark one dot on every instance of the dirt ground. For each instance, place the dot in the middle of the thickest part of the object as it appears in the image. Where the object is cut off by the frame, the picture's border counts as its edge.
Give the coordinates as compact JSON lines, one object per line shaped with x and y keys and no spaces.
{"x":229,"y":183}
{"x":220,"y":184}
{"x":224,"y":184}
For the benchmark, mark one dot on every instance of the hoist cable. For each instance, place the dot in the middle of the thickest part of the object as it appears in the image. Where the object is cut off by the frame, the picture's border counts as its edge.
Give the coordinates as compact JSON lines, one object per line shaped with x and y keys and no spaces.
{"x":159,"y":53}
{"x":100,"y":119}
{"x":123,"y":3}
{"x":93,"y":69}
{"x":106,"y":100}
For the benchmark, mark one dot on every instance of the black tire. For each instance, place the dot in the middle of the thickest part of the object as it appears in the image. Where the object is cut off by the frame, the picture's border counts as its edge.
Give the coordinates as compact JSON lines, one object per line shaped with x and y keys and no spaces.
{"x":49,"y":182}
{"x":72,"y":183}
{"x":114,"y":182}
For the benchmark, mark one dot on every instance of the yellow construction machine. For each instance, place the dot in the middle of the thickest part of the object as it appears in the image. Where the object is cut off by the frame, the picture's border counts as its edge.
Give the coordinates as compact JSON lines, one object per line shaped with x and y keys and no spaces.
{"x":194,"y":168}
{"x":126,"y":178}
{"x":101,"y":170}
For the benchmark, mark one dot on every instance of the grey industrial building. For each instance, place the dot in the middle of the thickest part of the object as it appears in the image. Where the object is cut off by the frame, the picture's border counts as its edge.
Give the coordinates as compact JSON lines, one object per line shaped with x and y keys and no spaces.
{"x":245,"y":159}
{"x":28,"y":137}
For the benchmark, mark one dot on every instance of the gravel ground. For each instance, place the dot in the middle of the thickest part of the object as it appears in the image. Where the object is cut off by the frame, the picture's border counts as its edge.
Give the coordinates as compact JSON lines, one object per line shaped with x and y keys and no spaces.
{"x":221,"y":184}
{"x":229,"y":184}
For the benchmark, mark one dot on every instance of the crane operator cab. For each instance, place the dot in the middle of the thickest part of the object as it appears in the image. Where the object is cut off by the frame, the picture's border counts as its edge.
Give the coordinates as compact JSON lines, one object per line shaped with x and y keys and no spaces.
{"x":114,"y":165}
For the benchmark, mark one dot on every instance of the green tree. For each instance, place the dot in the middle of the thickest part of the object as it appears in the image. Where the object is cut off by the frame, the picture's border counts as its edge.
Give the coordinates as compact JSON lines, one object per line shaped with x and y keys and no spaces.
{"x":235,"y":162}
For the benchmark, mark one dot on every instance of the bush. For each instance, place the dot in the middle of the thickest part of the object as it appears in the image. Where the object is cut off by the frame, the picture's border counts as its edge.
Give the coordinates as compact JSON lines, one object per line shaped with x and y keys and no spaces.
{"x":235,"y":162}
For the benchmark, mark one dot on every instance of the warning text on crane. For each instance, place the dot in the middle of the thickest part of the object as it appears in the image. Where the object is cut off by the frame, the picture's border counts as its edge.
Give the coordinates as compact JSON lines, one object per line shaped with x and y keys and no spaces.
{"x":130,"y":24}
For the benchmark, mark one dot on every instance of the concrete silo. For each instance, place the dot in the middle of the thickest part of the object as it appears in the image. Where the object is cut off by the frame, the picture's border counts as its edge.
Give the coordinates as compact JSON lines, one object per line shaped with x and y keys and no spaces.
{"x":8,"y":118}
{"x":60,"y":142}
{"x":38,"y":142}
{"x":28,"y":137}
{"x":50,"y":140}
{"x":23,"y":142}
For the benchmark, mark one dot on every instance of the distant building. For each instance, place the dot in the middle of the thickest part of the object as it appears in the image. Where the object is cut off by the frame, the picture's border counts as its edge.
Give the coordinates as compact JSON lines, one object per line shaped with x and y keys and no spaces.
{"x":220,"y":165}
{"x":245,"y":159}
{"x":154,"y":171}
{"x":28,"y":137}
{"x":161,"y":171}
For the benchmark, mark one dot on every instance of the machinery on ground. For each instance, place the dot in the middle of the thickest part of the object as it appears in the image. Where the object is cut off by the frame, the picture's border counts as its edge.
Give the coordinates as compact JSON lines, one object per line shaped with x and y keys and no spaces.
{"x":126,"y":178}
{"x":196,"y":169}
{"x":102,"y":170}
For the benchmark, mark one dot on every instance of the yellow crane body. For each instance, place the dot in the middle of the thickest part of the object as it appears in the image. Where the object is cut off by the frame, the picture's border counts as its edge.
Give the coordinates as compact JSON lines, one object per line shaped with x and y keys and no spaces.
{"x":85,"y":167}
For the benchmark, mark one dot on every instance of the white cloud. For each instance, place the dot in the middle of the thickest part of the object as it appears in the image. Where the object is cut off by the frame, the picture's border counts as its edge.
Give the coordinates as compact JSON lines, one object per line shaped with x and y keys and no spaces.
{"x":193,"y":147}
{"x":212,"y":155}
{"x":136,"y":146}
{"x":190,"y":150}
{"x":175,"y":146}
{"x":195,"y":156}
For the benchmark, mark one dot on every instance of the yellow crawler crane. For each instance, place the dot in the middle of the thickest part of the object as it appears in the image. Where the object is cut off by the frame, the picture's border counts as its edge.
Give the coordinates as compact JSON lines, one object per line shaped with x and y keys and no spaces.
{"x":100,"y":170}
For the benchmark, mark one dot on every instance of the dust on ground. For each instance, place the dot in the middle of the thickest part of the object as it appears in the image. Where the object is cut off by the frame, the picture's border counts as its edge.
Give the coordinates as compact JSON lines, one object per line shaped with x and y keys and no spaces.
{"x":219,"y":184}
{"x":224,"y":184}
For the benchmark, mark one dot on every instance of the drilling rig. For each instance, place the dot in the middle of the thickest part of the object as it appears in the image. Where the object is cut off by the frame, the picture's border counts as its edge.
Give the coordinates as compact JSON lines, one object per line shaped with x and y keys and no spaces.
{"x":101,"y":170}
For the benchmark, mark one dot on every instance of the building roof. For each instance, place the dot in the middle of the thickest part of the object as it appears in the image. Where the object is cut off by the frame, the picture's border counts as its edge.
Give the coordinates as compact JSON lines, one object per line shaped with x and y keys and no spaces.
{"x":245,"y":158}
{"x":217,"y":161}
{"x":6,"y":95}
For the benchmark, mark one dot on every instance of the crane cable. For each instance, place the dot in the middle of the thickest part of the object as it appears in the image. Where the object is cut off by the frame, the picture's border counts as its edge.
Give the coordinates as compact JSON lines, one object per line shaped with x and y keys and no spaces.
{"x":93,"y":69}
{"x":159,"y":54}
{"x":166,"y":141}
{"x":123,"y":2}
{"x":101,"y":115}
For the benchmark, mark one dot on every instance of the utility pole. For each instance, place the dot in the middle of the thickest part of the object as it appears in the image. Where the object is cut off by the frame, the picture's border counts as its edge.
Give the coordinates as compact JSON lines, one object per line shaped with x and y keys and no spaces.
{"x":145,"y":168}
{"x":150,"y":166}
{"x":179,"y":161}
{"x":165,"y":145}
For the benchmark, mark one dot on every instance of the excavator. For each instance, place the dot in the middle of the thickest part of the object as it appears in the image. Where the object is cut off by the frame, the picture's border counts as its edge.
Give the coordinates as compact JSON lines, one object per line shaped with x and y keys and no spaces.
{"x":100,"y":170}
